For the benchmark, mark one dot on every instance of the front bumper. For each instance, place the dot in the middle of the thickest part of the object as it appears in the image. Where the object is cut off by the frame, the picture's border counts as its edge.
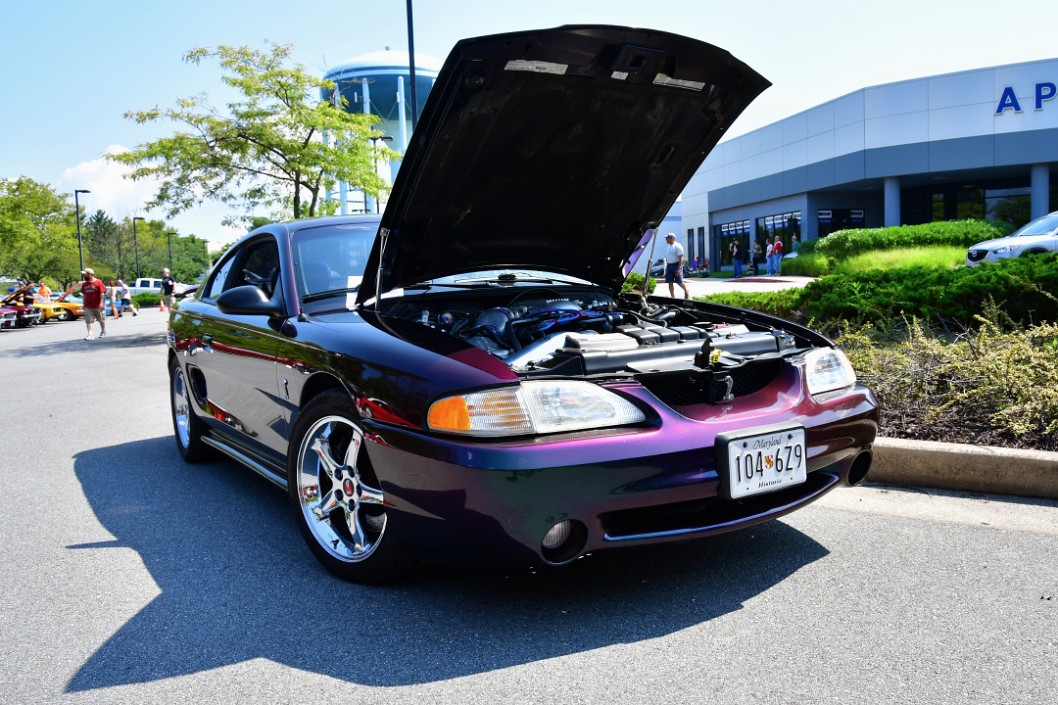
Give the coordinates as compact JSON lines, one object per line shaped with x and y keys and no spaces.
{"x":460,"y":501}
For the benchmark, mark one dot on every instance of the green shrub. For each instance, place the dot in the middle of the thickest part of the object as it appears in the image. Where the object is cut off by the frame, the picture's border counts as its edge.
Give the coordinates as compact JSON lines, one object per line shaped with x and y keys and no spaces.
{"x":953,"y":233}
{"x":809,"y":264}
{"x":634,"y":282}
{"x":984,"y":385}
{"x":785,"y":303}
{"x":147,"y":298}
{"x":1021,"y":288}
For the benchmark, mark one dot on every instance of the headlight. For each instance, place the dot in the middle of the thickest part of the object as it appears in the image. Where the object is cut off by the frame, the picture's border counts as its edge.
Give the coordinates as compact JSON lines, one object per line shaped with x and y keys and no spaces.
{"x":827,"y":369}
{"x":1005,"y":250}
{"x":532,"y":407}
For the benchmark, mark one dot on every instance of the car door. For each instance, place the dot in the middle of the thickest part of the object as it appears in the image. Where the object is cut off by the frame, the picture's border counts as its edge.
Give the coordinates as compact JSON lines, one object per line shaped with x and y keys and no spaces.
{"x":236,"y":356}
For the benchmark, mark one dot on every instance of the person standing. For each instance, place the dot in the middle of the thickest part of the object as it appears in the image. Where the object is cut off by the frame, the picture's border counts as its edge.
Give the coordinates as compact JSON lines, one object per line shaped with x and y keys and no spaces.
{"x":758,"y":257}
{"x":674,"y":259}
{"x":126,"y":298}
{"x":736,"y":257}
{"x":94,"y":293}
{"x":794,"y":244}
{"x":768,"y":255}
{"x":112,"y":292}
{"x":43,"y":294}
{"x":168,"y":286}
{"x":776,"y":253}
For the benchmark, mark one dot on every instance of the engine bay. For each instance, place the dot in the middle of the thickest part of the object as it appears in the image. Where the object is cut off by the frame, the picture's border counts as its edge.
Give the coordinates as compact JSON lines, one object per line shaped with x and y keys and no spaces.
{"x":585,"y":331}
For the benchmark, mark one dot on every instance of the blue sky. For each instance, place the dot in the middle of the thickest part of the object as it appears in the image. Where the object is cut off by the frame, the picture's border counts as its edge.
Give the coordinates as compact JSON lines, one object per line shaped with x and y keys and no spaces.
{"x":70,"y":69}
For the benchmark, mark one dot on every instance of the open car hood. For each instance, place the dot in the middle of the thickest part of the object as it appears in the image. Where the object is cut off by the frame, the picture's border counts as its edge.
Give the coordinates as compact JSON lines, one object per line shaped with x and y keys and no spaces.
{"x":554,"y":150}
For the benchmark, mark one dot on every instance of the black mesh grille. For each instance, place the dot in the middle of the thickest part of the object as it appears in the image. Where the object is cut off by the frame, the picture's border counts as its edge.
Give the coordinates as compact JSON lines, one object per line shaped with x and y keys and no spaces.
{"x":975,"y":255}
{"x":699,"y":387}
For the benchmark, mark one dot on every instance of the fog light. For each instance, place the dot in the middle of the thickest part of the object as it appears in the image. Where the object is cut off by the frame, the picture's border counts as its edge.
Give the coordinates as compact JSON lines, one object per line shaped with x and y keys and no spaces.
{"x":557,"y":535}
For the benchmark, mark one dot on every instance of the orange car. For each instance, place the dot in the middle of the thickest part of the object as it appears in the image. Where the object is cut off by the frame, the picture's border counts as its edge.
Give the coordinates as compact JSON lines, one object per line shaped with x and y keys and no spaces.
{"x":74,"y":306}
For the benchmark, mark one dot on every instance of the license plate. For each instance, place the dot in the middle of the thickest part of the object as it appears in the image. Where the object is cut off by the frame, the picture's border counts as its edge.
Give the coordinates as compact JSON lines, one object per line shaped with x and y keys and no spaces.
{"x":763,"y":459}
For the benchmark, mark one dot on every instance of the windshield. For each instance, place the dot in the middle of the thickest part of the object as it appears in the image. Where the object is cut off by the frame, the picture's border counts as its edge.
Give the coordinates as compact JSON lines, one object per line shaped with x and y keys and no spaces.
{"x":329,"y":261}
{"x":1041,"y":226}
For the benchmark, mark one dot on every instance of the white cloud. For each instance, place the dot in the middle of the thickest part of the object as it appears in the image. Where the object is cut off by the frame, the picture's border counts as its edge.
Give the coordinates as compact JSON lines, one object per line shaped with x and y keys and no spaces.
{"x":121,"y":198}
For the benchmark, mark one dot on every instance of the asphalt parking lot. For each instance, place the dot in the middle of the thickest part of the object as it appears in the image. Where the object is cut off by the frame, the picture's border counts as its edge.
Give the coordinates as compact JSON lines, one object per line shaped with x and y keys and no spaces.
{"x":130,"y":577}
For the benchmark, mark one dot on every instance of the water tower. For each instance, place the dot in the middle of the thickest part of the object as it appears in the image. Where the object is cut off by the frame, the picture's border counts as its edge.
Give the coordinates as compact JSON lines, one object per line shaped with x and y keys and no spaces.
{"x":380,"y":83}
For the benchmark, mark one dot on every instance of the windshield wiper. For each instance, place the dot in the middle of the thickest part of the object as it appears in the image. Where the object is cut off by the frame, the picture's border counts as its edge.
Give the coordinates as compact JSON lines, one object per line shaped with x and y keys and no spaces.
{"x":328,"y":294}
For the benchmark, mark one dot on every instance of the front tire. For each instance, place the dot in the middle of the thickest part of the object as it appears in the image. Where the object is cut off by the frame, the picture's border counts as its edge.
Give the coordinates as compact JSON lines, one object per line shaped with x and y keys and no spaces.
{"x":187,"y":427}
{"x":336,"y":496}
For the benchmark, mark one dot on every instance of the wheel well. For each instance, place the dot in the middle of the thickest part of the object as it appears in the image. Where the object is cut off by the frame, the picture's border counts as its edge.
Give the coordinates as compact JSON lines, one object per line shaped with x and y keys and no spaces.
{"x":318,"y":384}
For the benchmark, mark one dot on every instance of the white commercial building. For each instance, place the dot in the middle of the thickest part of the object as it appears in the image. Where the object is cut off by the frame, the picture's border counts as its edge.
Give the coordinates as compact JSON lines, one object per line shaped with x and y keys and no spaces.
{"x":973,"y":144}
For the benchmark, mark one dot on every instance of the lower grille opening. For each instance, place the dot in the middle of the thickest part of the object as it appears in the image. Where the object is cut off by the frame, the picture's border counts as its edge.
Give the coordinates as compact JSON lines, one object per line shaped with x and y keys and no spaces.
{"x":706,"y":514}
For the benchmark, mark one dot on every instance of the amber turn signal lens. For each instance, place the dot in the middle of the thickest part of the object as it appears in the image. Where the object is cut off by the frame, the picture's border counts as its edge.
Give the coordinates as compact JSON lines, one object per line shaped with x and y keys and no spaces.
{"x":450,"y":415}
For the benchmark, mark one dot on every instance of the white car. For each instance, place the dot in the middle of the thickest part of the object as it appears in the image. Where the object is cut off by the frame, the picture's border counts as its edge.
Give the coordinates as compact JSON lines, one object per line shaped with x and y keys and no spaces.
{"x":1038,"y":236}
{"x":154,"y":285}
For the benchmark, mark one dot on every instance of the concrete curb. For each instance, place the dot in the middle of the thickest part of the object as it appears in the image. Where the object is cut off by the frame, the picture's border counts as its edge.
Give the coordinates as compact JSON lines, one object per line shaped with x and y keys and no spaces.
{"x":984,"y":469}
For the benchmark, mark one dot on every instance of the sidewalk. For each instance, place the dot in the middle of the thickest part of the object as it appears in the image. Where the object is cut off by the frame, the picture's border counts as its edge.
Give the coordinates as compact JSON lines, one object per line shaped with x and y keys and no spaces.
{"x":707,"y":286}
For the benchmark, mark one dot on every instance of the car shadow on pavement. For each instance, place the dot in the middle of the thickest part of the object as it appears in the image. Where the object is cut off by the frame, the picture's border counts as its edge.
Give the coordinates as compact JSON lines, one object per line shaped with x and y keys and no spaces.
{"x":237,"y":583}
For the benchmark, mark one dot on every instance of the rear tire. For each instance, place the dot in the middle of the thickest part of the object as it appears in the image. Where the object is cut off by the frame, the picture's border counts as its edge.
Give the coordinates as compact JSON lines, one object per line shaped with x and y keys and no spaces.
{"x":187,"y":427}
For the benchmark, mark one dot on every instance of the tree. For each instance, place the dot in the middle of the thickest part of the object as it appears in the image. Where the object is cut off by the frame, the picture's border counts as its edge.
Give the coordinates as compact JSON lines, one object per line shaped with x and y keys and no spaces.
{"x":268,"y":150}
{"x":38,"y":233}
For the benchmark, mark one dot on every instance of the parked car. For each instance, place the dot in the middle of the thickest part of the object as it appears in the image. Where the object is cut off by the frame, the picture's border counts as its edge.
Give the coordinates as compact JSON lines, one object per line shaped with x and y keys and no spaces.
{"x":154,"y":285}
{"x":1036,"y":237}
{"x":73,"y":304}
{"x":8,"y":317}
{"x":426,"y":387}
{"x":658,"y":268}
{"x":25,"y":296}
{"x":25,"y":314}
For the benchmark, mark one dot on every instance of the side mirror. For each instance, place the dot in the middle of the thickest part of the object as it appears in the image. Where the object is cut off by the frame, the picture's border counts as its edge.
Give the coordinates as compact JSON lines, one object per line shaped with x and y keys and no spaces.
{"x":248,"y":300}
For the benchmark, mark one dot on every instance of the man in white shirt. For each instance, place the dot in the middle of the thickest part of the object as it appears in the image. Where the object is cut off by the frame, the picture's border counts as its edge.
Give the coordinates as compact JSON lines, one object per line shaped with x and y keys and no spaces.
{"x":674,"y":266}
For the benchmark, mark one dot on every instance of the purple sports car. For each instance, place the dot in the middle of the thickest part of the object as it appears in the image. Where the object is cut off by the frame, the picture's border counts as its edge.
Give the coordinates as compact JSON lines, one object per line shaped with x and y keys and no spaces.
{"x":461,"y":378}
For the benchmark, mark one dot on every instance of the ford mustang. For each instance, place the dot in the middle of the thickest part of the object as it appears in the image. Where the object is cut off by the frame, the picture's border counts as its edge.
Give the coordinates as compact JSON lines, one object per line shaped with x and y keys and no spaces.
{"x":462,"y":378}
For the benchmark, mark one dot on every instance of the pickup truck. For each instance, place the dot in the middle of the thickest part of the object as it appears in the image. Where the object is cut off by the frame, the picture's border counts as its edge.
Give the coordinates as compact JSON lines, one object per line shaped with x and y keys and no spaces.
{"x":155,"y":286}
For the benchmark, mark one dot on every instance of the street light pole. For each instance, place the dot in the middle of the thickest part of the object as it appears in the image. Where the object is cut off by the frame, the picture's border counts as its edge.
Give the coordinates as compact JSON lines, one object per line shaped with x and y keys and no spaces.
{"x":136,"y":244}
{"x":169,"y":236}
{"x":77,"y":207}
{"x":411,"y":69}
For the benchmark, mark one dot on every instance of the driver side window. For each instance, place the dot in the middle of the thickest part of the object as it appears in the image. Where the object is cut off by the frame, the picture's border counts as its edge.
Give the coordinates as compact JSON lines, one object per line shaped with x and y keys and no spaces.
{"x":256,"y":265}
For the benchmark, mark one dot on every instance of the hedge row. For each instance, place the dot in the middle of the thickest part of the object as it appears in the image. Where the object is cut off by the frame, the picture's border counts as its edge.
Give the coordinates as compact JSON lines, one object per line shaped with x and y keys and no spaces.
{"x":1022,"y":288}
{"x":955,"y":233}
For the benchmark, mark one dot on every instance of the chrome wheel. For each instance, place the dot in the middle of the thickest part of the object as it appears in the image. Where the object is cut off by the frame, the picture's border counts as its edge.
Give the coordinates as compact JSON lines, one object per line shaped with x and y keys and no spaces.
{"x":336,"y":491}
{"x":187,"y":427}
{"x":181,"y":409}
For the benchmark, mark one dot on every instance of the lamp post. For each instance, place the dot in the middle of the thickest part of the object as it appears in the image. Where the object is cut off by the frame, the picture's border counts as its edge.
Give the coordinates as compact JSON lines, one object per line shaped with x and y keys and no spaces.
{"x":169,"y":237}
{"x":136,"y":244}
{"x":374,"y":157}
{"x":77,"y":207}
{"x":411,"y":68}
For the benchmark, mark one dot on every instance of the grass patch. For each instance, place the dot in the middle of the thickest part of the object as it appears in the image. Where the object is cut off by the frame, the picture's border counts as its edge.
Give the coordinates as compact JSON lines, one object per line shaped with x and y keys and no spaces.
{"x":937,"y":256}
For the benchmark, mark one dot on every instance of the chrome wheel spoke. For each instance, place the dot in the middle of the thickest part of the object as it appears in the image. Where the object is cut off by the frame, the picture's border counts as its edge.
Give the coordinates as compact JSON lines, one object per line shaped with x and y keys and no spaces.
{"x":356,"y":531}
{"x":322,"y":447}
{"x":370,"y":495}
{"x":325,"y":506}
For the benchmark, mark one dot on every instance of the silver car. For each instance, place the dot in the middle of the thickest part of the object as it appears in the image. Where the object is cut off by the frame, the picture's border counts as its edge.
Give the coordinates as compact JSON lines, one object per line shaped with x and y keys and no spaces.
{"x":1038,"y":236}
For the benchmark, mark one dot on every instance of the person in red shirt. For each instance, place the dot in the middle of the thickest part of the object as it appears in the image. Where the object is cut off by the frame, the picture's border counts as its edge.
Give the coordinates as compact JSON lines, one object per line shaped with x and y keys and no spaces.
{"x":94,"y":292}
